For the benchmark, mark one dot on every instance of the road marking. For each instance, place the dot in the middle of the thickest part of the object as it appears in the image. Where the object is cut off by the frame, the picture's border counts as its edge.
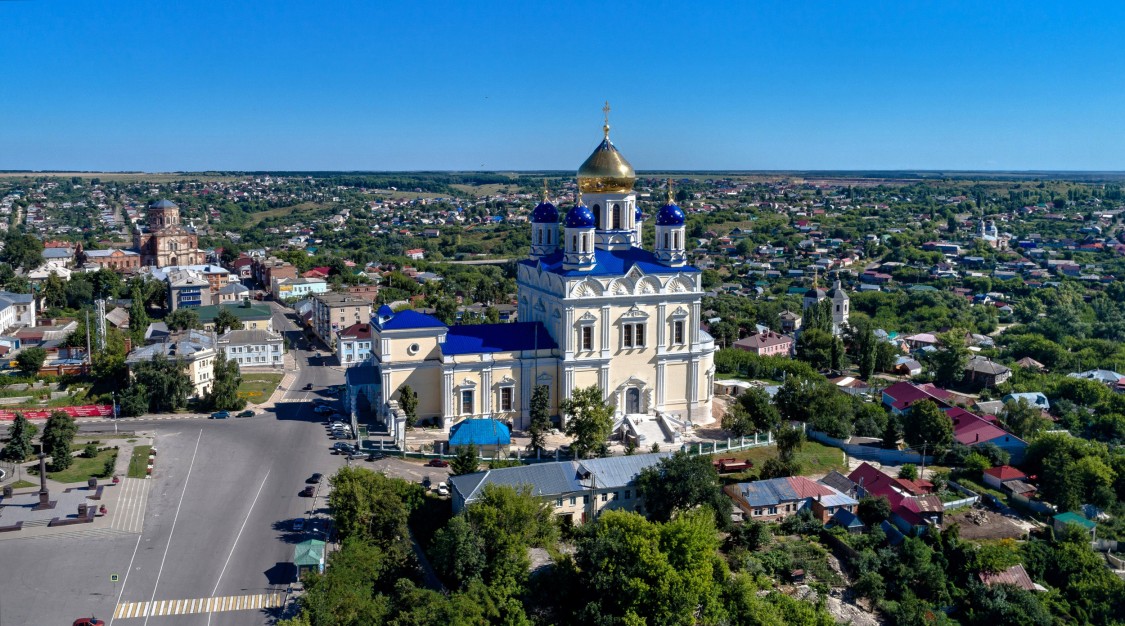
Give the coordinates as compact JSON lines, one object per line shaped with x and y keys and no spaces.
{"x":239,"y":536}
{"x":222,"y":604}
{"x":176,"y":518}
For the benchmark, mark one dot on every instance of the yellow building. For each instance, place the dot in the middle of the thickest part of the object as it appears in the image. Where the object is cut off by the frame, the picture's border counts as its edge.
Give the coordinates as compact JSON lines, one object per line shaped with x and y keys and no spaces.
{"x":595,"y":308}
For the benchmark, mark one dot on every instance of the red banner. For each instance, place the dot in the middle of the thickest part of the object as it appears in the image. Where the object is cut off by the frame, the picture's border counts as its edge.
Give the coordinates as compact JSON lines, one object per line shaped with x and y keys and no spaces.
{"x":89,"y":410}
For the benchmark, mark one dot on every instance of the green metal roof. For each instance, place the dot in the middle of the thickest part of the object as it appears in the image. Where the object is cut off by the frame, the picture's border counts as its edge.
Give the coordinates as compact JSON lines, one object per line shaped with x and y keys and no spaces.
{"x":309,"y":553}
{"x":253,"y":312}
{"x":1074,"y":518}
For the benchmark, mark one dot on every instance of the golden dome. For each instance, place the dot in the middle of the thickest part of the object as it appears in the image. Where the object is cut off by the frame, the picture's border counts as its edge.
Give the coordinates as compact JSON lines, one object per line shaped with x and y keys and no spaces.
{"x":606,"y":171}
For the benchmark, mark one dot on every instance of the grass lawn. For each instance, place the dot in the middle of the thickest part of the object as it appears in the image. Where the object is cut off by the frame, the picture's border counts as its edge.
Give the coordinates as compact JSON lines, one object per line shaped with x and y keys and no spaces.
{"x":258,"y":388}
{"x":138,"y":463}
{"x":82,"y":469}
{"x":814,"y":457}
{"x":23,"y":484}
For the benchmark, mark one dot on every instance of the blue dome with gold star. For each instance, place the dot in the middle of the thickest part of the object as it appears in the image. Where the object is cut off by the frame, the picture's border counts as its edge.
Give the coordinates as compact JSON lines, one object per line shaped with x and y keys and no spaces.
{"x":638,"y":216}
{"x":579,"y":217}
{"x":670,"y":215}
{"x":545,"y":213}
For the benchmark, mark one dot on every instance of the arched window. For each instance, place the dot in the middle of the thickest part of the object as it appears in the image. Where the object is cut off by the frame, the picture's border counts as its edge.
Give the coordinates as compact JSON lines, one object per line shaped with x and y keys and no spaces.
{"x":666,"y":241}
{"x":676,"y":240}
{"x":617,"y":217}
{"x":574,"y":243}
{"x":598,"y":216}
{"x":540,"y":236}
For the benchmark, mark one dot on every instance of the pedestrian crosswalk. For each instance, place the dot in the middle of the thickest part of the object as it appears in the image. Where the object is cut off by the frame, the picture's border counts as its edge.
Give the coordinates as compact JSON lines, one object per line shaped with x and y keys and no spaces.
{"x":128,"y":512}
{"x":157,"y":608}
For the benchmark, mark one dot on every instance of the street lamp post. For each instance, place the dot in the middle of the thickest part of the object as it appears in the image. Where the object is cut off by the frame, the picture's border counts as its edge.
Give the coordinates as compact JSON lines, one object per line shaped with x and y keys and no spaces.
{"x":114,"y":395}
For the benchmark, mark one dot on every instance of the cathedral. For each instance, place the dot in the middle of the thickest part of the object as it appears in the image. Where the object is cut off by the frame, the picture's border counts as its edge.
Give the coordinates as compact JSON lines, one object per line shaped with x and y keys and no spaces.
{"x":165,"y":242}
{"x":595,"y":308}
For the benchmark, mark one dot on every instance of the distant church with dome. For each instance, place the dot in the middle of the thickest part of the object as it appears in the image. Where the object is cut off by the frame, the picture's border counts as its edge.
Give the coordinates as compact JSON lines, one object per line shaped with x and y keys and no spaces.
{"x":165,"y":241}
{"x":595,"y":308}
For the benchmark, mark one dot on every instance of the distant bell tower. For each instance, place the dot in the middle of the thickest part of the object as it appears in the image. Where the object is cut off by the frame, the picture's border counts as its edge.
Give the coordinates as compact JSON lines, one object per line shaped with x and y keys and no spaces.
{"x":670,"y":233}
{"x":606,"y":179}
{"x":578,"y":238}
{"x":544,"y":228}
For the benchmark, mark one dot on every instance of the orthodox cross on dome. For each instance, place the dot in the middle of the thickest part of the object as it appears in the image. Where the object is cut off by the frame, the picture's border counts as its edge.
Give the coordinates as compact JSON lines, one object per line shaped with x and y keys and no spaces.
{"x":669,"y":191}
{"x":544,"y":190}
{"x":605,"y":111}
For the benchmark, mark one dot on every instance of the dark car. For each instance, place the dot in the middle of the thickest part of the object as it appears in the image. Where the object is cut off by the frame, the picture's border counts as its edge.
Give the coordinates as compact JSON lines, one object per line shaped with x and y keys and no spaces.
{"x":298,"y":524}
{"x":340,"y":446}
{"x":426,"y":482}
{"x":308,"y":492}
{"x":246,"y":413}
{"x":220,"y":415}
{"x":308,"y":387}
{"x":315,"y":478}
{"x":438,"y":463}
{"x":376,"y":456}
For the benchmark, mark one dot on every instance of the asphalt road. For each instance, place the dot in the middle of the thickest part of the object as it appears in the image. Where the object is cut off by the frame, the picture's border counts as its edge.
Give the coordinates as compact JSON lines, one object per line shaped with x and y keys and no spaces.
{"x":223,"y":499}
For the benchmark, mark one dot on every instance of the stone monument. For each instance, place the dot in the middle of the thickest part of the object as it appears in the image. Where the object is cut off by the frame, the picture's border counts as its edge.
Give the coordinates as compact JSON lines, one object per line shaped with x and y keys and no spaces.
{"x":45,"y":501}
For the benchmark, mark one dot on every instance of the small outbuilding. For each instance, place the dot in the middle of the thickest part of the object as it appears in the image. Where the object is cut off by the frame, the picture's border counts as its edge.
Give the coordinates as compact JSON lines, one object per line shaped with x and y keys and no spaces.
{"x":491,"y":437}
{"x":308,"y":556}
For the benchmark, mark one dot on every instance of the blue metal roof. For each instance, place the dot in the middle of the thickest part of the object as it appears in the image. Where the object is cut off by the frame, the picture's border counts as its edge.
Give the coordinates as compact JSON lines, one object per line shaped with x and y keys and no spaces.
{"x":480,"y":432}
{"x":610,"y":263}
{"x":408,"y":319}
{"x":385,"y":311}
{"x":670,"y":215}
{"x":579,"y":217}
{"x":481,"y":338}
{"x":545,"y":213}
{"x":768,"y":492}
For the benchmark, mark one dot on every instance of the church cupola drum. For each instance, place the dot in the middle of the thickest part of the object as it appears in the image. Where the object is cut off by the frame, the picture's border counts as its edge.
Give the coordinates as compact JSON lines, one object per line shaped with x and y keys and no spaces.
{"x":606,"y":181}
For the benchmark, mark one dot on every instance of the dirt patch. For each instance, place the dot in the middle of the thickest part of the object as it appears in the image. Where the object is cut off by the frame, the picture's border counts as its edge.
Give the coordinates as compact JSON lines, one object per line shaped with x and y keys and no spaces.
{"x":980,"y":523}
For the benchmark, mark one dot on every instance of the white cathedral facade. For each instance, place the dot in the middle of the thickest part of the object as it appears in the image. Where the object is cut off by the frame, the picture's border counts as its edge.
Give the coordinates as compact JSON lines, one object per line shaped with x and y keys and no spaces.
{"x":595,"y":308}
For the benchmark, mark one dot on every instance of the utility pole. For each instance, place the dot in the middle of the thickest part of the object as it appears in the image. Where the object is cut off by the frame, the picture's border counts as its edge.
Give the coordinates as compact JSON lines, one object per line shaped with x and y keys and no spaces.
{"x":100,"y":304}
{"x":89,"y":353}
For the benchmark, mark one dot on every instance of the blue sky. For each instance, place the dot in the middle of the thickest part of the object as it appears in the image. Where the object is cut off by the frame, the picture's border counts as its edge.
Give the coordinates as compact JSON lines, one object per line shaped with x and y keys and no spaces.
{"x":350,"y":85}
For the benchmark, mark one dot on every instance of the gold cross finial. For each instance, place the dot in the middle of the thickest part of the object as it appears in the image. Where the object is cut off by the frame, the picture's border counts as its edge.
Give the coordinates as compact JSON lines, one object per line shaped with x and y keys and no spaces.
{"x":544,"y":190}
{"x":605,"y":111}
{"x":578,"y":198}
{"x":669,"y":191}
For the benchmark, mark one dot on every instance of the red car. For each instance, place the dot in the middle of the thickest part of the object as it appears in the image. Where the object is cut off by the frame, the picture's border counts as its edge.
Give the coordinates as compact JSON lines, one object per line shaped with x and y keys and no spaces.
{"x":437,"y":463}
{"x":88,"y":621}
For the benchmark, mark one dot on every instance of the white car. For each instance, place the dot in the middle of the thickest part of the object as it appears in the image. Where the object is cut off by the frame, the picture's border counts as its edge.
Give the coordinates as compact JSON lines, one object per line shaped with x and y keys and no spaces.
{"x":443,"y":489}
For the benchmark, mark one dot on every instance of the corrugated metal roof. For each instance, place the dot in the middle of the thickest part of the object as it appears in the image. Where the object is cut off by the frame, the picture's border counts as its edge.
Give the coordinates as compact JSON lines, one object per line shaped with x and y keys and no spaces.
{"x":619,"y":471}
{"x":481,"y":432}
{"x":481,"y":338}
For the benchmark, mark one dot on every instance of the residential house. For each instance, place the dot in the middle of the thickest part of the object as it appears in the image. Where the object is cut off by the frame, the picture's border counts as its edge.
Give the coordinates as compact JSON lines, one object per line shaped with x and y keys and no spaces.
{"x":187,"y":289}
{"x":233,"y":293}
{"x":985,"y":372}
{"x":912,"y":508}
{"x":416,"y":254}
{"x":195,"y":349}
{"x":253,"y":348}
{"x":253,"y":316}
{"x":996,"y":477}
{"x":778,"y":498}
{"x":790,"y":322}
{"x":286,"y":288}
{"x":1034,"y":398}
{"x":1062,"y":520}
{"x":766,"y":344}
{"x":577,"y":490}
{"x":353,"y":344}
{"x":16,"y":310}
{"x":335,"y":311}
{"x":115,"y":259}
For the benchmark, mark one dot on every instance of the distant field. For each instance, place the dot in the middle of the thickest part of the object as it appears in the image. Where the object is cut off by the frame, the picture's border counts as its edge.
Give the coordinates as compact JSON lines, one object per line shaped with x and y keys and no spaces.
{"x":486,"y":190}
{"x":123,"y":176}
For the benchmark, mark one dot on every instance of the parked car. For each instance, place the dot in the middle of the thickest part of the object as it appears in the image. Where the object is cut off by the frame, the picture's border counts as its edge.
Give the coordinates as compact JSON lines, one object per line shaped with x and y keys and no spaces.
{"x":321,"y":409}
{"x":315,"y":478}
{"x":376,"y":456}
{"x":220,"y":415}
{"x":443,"y":489}
{"x":437,"y":463}
{"x":354,"y":455}
{"x":88,"y":621}
{"x":340,"y":446}
{"x":308,"y":387}
{"x":246,"y":413}
{"x":308,"y":492}
{"x":298,"y":524}
{"x":426,"y":482}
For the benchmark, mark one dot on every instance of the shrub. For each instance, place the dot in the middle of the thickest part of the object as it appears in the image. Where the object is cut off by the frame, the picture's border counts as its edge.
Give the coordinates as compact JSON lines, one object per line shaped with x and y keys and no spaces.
{"x":90,"y":451}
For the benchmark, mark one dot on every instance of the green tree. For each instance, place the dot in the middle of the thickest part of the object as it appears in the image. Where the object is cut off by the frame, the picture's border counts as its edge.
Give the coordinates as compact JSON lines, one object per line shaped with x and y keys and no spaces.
{"x":20,"y":435}
{"x":138,"y":312}
{"x":508,"y":521}
{"x":29,"y":360}
{"x":909,"y":471}
{"x":408,"y":402}
{"x":226,"y":320}
{"x":21,"y":251}
{"x":1022,"y":419}
{"x":948,"y":363}
{"x":589,"y":420}
{"x":815,"y":347}
{"x":927,"y":425}
{"x":54,"y":291}
{"x":58,"y":434}
{"x":763,"y":415}
{"x":458,"y":553}
{"x":466,"y":461}
{"x":865,"y":346}
{"x":223,"y":395}
{"x":885,"y":356}
{"x":183,"y":319}
{"x":540,"y":417}
{"x":873,"y":510}
{"x":372,"y":507}
{"x":680,"y":483}
{"x":165,"y":385}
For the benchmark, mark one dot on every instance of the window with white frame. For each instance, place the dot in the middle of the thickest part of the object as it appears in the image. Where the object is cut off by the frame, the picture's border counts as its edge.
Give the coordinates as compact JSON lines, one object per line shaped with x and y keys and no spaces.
{"x":506,"y":399}
{"x":586,"y":338}
{"x":467,"y":402}
{"x":633,"y":335}
{"x":677,"y":332}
